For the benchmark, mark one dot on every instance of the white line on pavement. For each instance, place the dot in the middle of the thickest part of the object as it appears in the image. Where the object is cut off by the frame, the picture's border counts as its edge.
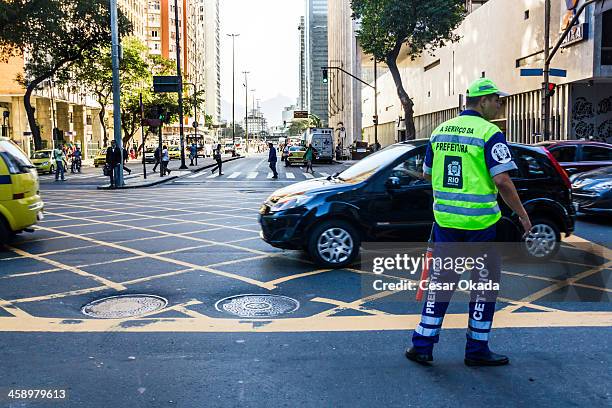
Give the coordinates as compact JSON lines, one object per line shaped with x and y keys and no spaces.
{"x":324,"y":174}
{"x":234,"y":175}
{"x":290,"y":175}
{"x":252,"y":175}
{"x":269,"y":175}
{"x":308,"y":175}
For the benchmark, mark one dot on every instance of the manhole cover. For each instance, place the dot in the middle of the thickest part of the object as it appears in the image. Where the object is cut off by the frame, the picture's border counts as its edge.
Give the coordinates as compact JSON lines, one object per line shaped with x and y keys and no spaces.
{"x":257,"y":305}
{"x":118,"y":307}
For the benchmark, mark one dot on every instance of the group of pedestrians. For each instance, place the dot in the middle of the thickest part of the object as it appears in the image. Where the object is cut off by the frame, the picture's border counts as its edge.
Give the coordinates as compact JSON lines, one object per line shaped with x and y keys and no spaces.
{"x":162,"y":157}
{"x":114,"y":157}
{"x":60,"y":155}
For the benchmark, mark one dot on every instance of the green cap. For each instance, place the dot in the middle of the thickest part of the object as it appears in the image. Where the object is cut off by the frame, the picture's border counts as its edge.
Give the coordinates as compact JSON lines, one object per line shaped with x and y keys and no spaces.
{"x":482,"y":87}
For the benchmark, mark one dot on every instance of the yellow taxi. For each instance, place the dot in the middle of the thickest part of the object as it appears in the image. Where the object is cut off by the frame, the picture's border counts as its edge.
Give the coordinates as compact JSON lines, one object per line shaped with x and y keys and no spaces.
{"x":295,"y":156}
{"x":174,"y":152}
{"x":100,"y":158}
{"x":20,"y":202}
{"x":43,"y":160}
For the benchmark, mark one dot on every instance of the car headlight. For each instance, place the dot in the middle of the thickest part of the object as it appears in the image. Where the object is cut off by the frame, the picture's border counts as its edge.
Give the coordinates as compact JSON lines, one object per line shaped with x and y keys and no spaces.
{"x":288,"y":202}
{"x":603,"y":186}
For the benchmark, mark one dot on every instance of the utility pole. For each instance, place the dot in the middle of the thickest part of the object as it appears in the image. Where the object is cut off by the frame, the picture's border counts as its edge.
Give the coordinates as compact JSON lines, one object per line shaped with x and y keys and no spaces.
{"x":233,"y":90}
{"x":180,"y":82}
{"x":375,"y":102}
{"x":246,"y":108}
{"x":116,"y":89}
{"x":545,"y":93}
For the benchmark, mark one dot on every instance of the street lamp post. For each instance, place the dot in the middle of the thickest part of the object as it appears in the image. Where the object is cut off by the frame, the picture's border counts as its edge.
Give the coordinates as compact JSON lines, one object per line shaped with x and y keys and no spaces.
{"x":233,"y":89}
{"x":180,"y":83}
{"x":246,"y":109}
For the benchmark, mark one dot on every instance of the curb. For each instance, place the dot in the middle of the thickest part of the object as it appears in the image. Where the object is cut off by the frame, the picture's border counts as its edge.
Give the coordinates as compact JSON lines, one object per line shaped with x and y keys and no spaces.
{"x":164,"y":180}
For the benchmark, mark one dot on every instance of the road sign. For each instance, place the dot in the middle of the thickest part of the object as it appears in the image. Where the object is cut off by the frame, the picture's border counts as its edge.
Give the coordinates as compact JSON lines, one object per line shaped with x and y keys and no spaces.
{"x":300,"y":114}
{"x":165,"y":84}
{"x":558,"y":72}
{"x":532,"y":72}
{"x":540,"y":72}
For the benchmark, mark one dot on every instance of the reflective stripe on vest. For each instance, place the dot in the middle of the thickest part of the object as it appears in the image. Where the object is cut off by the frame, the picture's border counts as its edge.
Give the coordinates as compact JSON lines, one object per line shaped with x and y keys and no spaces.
{"x":465,"y":196}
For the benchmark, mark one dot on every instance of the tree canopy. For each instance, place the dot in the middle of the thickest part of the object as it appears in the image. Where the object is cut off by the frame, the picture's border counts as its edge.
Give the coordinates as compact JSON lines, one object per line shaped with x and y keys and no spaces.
{"x":53,"y":35}
{"x":414,"y":26}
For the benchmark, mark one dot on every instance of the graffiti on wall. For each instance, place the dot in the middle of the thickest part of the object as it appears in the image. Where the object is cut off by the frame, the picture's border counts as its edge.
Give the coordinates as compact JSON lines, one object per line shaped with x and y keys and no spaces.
{"x":592,"y":113}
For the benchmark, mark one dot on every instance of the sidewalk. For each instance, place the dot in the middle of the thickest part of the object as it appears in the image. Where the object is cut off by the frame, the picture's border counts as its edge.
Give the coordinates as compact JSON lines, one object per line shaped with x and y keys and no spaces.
{"x":154,"y":178}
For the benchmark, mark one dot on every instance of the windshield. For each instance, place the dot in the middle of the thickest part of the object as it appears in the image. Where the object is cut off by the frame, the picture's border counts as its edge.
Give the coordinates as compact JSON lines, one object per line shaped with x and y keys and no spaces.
{"x":14,"y":158}
{"x":41,"y":155}
{"x":363,"y":169}
{"x":295,"y":149}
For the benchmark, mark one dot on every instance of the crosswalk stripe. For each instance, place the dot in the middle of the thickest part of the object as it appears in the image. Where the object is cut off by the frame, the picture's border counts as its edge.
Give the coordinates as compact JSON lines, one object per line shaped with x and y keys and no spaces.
{"x":270,"y":175}
{"x":252,"y":175}
{"x":308,"y":175}
{"x":200,"y":174}
{"x":213,"y":175}
{"x":290,"y":175}
{"x":324,"y":174}
{"x":234,"y":175}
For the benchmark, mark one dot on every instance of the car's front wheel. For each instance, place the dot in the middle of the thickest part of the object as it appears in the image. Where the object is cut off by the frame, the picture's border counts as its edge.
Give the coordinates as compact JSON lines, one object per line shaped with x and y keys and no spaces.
{"x":334,"y":244}
{"x":544,"y":239}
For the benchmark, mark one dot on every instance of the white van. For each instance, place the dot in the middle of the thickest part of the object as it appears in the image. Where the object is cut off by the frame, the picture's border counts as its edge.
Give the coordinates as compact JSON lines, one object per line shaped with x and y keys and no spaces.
{"x":322,"y":139}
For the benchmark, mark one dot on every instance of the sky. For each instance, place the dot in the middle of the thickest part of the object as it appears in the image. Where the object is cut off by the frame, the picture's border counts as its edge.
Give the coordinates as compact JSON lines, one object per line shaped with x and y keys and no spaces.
{"x":268,"y":47}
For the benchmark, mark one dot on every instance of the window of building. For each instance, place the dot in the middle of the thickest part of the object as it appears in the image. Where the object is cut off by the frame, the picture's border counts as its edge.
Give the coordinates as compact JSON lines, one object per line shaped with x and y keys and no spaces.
{"x":606,"y":38}
{"x":154,"y":33}
{"x":526,"y":14}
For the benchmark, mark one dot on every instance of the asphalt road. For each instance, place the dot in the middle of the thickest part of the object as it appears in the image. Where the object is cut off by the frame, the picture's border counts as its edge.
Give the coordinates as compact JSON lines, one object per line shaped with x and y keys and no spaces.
{"x":195,"y":242}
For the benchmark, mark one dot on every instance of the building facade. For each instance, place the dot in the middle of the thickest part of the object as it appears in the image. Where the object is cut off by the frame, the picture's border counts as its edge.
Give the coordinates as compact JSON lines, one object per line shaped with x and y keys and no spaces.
{"x":303,"y":67}
{"x":316,"y":58}
{"x":211,"y":64}
{"x":498,"y":39}
{"x":344,"y":92}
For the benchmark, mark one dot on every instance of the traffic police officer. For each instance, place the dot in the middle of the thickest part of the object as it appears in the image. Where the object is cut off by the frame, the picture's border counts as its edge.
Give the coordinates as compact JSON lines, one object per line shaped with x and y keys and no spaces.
{"x":467,"y":161}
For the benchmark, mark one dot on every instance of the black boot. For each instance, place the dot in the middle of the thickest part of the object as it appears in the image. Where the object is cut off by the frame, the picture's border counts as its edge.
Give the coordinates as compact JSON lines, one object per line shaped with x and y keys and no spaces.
{"x":489,"y":359}
{"x":421,"y":358}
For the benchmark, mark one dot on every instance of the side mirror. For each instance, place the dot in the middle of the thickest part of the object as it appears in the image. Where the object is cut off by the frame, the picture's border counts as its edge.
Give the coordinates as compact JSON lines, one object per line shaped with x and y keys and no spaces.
{"x":392,"y":183}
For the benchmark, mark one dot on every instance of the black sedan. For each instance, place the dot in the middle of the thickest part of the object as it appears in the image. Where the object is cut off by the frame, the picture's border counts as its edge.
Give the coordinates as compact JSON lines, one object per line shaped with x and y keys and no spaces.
{"x":593,"y":191}
{"x":384,"y":198}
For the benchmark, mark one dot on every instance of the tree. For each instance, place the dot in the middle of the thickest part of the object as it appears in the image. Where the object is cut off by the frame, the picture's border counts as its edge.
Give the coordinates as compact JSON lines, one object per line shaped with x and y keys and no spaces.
{"x":298,"y":126}
{"x":227,"y":131}
{"x":421,"y":25}
{"x":53,"y":35}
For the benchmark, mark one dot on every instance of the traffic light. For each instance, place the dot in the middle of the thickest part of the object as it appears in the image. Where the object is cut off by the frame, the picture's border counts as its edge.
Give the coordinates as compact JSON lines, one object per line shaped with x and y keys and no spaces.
{"x":325,"y":76}
{"x":550,"y":89}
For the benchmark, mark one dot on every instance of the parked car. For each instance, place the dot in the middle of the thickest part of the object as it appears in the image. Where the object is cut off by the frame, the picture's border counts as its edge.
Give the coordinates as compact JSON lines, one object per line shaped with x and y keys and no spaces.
{"x":100,"y":158}
{"x":43,"y":160}
{"x":383,"y":198}
{"x":150,"y":155}
{"x":20,"y":202}
{"x":593,"y":191}
{"x":295,"y":156}
{"x":577,"y":156}
{"x":174,"y":152}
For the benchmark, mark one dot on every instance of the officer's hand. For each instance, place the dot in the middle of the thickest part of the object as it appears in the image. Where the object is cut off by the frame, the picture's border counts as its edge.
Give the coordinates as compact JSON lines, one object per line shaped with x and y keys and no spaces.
{"x":526,"y":223}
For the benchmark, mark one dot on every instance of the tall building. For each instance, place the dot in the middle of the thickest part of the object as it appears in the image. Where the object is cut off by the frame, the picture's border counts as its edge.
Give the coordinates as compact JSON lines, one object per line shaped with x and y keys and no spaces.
{"x":212,"y":61}
{"x":316,"y":57}
{"x":303,"y":73}
{"x":345,"y":113}
{"x":136,"y":11}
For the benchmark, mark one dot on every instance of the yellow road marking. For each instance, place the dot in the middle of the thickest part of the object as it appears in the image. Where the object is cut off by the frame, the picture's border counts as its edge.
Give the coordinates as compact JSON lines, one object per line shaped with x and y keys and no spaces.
{"x":14,"y":310}
{"x":72,"y":269}
{"x":284,"y":279}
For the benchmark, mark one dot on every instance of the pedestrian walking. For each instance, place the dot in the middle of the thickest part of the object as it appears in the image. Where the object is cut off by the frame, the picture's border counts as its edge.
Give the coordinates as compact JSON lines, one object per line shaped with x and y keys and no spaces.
{"x":217,"y":158}
{"x":113,"y":160}
{"x":59,"y":157}
{"x":309,"y":157}
{"x":193,"y":154}
{"x":157,"y":156}
{"x":272,"y":160}
{"x":467,"y":161}
{"x":165,"y":159}
{"x":126,"y":157}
